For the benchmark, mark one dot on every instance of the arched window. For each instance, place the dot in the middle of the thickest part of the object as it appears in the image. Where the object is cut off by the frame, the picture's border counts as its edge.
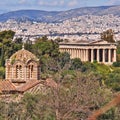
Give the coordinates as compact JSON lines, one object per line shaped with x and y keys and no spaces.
{"x":30,"y":71}
{"x":19,"y":71}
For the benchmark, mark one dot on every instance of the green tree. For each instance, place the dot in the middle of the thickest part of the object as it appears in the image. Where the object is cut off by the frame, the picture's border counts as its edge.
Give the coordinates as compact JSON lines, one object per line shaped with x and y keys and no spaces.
{"x":44,"y":46}
{"x":7,"y":47}
{"x":64,"y":59}
{"x":76,"y":64}
{"x":108,"y":35}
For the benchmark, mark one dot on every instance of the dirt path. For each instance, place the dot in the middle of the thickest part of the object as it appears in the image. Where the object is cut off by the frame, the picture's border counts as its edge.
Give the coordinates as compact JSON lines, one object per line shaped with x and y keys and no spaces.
{"x":104,"y":109}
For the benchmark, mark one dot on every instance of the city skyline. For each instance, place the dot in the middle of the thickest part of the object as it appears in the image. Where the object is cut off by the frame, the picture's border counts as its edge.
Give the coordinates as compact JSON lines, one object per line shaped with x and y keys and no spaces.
{"x":52,"y":5}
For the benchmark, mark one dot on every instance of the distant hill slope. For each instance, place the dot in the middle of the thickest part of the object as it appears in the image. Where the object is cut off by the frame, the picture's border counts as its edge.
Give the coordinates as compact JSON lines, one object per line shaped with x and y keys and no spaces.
{"x":54,"y":16}
{"x":30,"y":15}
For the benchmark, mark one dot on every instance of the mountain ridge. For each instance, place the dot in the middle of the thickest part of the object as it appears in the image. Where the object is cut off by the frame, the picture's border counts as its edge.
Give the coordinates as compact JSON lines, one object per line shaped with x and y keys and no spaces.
{"x":58,"y":16}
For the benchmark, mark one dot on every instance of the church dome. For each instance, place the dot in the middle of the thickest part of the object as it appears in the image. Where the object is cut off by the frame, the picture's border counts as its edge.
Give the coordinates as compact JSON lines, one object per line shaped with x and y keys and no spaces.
{"x":23,"y":56}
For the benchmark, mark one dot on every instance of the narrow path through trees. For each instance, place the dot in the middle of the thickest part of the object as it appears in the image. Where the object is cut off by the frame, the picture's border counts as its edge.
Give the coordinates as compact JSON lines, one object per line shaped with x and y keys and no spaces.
{"x":104,"y":109}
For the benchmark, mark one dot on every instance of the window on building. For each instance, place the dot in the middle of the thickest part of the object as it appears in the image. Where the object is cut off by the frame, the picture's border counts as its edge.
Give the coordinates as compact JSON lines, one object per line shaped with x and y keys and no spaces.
{"x":19,"y":71}
{"x":30,"y":71}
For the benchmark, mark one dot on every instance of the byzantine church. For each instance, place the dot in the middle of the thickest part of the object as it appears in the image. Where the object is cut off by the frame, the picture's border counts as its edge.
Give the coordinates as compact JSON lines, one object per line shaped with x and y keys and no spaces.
{"x":22,"y":74}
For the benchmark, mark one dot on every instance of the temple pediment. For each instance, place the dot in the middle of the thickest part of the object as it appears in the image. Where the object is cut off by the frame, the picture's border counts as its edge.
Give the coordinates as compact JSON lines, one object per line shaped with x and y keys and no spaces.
{"x":100,"y":42}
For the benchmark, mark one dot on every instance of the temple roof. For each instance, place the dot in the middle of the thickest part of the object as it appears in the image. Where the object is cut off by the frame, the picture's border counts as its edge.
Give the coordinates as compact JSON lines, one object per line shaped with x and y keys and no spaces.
{"x":23,"y":55}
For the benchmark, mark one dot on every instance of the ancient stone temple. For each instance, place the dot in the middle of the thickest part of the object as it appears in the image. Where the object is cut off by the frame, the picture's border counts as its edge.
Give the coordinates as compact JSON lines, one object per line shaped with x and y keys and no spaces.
{"x":22,"y":67}
{"x":100,"y":51}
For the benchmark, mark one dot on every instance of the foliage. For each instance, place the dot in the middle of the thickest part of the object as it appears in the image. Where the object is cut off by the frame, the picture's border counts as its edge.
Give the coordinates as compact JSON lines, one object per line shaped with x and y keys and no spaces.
{"x":113,"y":80}
{"x":63,"y":59}
{"x":110,"y":115}
{"x":76,"y":64}
{"x":108,"y":35}
{"x":44,"y":46}
{"x":116,"y":64}
{"x":118,"y":47}
{"x":48,"y":64}
{"x":7,"y":34}
{"x":118,"y":57}
{"x":7,"y":46}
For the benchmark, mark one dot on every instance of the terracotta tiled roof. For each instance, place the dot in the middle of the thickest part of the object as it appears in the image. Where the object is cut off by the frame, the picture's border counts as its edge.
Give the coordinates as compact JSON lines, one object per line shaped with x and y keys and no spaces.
{"x":7,"y":86}
{"x":28,"y":85}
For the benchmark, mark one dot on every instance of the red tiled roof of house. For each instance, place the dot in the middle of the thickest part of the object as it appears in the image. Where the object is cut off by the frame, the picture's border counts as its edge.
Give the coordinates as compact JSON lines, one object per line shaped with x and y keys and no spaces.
{"x":28,"y":85}
{"x":7,"y":86}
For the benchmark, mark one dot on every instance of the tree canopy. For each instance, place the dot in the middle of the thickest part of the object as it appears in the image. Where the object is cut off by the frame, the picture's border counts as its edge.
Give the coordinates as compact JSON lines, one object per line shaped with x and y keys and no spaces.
{"x":108,"y":35}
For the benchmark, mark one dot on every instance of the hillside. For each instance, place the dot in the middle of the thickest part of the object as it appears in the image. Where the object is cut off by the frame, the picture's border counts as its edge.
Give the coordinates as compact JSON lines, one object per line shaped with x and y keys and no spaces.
{"x":55,"y":16}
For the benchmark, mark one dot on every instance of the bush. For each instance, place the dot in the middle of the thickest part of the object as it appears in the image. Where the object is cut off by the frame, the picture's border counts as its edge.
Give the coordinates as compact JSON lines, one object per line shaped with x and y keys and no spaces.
{"x":75,"y":64}
{"x":116,"y":64}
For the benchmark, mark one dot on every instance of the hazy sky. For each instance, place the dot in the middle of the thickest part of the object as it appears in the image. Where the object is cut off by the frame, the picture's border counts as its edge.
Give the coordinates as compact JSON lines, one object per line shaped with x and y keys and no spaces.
{"x":52,"y":5}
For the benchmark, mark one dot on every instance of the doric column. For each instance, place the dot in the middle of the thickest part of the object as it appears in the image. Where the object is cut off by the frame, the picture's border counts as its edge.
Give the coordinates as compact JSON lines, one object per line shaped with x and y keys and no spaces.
{"x":64,"y":49}
{"x":114,"y":55}
{"x":76,"y":53}
{"x":98,"y":55}
{"x":71,"y":53}
{"x":91,"y":55}
{"x":80,"y":55}
{"x":68,"y":50}
{"x":109,"y":55}
{"x":84,"y":54}
{"x":103,"y":53}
